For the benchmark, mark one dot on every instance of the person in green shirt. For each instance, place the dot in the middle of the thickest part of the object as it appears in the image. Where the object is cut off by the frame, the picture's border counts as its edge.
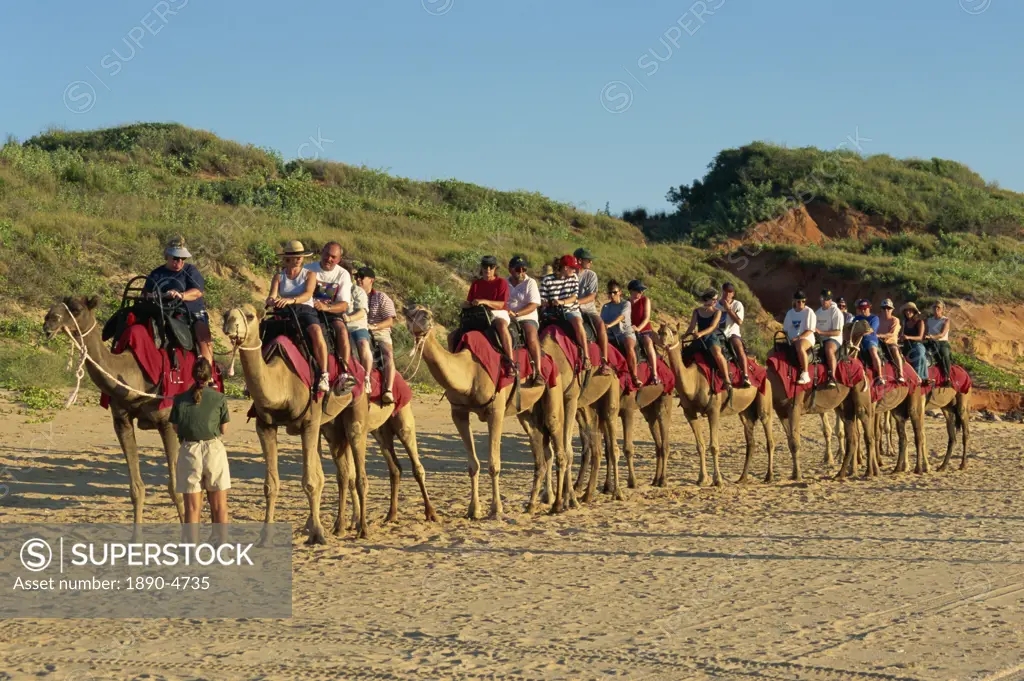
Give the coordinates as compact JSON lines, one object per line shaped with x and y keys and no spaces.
{"x":200,"y":418}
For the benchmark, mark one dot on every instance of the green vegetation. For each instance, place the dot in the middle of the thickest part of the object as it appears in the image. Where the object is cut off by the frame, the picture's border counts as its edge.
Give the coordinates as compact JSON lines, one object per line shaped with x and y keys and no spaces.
{"x":987,"y":376}
{"x":81,"y":212}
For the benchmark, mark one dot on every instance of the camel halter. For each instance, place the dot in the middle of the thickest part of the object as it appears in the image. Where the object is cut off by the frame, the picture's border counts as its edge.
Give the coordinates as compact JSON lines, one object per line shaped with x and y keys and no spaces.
{"x":79,"y":344}
{"x":235,"y":347}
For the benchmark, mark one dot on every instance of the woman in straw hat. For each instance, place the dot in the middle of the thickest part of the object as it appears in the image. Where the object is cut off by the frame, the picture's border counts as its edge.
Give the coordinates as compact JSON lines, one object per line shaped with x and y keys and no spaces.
{"x":913,"y":340}
{"x":294,"y":285}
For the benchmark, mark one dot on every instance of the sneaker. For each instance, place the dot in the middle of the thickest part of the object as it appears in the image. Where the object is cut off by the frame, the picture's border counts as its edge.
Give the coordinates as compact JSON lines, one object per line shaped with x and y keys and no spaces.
{"x":347,"y":380}
{"x":367,"y":386}
{"x":746,"y":382}
{"x":325,"y":383}
{"x":901,"y":380}
{"x":880,"y":380}
{"x":341,"y":388}
{"x":532,"y":380}
{"x":636,"y":381}
{"x":804,"y":379}
{"x":387,"y":398}
{"x":604,"y":370}
{"x":831,"y":382}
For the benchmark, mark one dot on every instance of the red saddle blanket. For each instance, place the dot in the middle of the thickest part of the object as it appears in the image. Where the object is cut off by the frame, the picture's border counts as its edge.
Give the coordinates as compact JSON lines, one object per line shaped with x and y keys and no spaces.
{"x":757,"y":374}
{"x":156,"y":365}
{"x":615,"y":358}
{"x":889,"y":371}
{"x":290,"y":351}
{"x":849,"y":373}
{"x":485,"y":353}
{"x":960,"y":381}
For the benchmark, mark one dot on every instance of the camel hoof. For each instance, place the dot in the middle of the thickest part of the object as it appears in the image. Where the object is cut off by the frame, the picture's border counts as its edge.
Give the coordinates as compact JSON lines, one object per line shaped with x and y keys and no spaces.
{"x":743,"y":480}
{"x":338,"y":530}
{"x":631,"y":483}
{"x":719,"y":482}
{"x":363,"y":533}
{"x":796,"y":477}
{"x":770,"y":478}
{"x":618,"y":495}
{"x":578,"y":489}
{"x":702,"y":480}
{"x":531,"y":508}
{"x":317,"y":538}
{"x":390,"y":518}
{"x":431,"y":516}
{"x":606,"y":489}
{"x":962,"y":467}
{"x":556,"y":509}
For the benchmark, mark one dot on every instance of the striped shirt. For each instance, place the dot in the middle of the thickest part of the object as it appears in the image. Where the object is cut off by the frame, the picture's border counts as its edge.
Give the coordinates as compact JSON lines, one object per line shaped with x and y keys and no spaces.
{"x":552,"y":288}
{"x":379,"y":307}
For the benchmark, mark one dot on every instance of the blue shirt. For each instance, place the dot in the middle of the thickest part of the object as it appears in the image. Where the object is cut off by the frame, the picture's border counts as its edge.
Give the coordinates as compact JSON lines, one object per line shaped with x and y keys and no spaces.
{"x":187,"y":278}
{"x":870,"y":340}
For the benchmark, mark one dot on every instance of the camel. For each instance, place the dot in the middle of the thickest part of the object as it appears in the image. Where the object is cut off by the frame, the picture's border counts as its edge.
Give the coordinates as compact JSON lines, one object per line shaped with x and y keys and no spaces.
{"x":696,"y":399}
{"x":77,"y":317}
{"x":594,"y":400}
{"x":854,"y":403}
{"x":954,"y":408}
{"x":385,"y":427}
{"x":282,"y":399}
{"x":470,"y":390}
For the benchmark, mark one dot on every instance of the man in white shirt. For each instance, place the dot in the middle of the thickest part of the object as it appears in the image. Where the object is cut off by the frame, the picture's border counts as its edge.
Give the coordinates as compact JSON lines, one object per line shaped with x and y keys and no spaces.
{"x":829,"y":328}
{"x":732,"y":319}
{"x":523,"y":301}
{"x":799,"y":324}
{"x":333,"y":297}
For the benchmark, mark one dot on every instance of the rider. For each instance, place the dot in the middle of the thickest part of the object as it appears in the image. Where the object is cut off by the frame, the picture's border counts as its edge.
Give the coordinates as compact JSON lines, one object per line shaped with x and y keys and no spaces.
{"x":847,"y":315}
{"x":358,"y":329}
{"x":523,"y":301}
{"x":829,"y":328}
{"x":869,"y":341}
{"x":182,"y":281}
{"x":561,"y":290}
{"x":640,"y":316}
{"x":913,"y":336}
{"x":294,"y":286}
{"x":799,"y":324}
{"x":380,"y":317}
{"x":491,"y":291}
{"x":889,"y":333}
{"x":731,"y":328}
{"x":333,"y":297}
{"x":705,"y":320}
{"x":938,"y":333}
{"x":616,"y":316}
{"x":588,"y":303}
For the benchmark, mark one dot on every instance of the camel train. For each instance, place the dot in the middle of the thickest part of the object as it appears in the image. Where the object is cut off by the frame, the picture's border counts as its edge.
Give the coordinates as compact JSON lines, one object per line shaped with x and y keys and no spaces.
{"x":478,"y":380}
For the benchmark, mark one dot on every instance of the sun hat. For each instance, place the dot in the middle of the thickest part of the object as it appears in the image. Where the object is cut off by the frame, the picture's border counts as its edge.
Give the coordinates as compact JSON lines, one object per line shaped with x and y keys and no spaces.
{"x":293,"y":248}
{"x":909,"y":306}
{"x":636,"y":285}
{"x":176,"y":248}
{"x":568,"y":261}
{"x":583,"y":254}
{"x":887,"y":304}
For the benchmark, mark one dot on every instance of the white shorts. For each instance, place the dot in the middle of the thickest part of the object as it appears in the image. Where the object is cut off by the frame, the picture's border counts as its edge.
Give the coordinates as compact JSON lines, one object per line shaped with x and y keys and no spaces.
{"x":500,"y":314}
{"x":202,"y":465}
{"x":382,"y":336}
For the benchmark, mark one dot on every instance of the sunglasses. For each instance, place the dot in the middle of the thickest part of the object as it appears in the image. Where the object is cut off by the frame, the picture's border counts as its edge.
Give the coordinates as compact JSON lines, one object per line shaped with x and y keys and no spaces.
{"x":614,"y":293}
{"x":518,"y":269}
{"x":177,"y":259}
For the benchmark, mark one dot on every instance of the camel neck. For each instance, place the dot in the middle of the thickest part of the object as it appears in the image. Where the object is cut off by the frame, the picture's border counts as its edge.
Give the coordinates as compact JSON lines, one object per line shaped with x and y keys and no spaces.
{"x":686,"y":377}
{"x":123,"y":366}
{"x":257,"y":377}
{"x":449,"y":370}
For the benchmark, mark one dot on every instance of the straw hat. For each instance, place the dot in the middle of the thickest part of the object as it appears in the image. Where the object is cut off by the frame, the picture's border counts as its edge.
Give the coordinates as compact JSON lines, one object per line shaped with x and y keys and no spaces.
{"x":293,"y":248}
{"x":909,"y":306}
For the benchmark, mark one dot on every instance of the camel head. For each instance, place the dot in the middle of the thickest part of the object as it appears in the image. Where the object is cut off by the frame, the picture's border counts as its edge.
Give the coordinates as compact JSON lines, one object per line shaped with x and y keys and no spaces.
{"x":857,"y":331}
{"x":67,"y":312}
{"x":667,"y":337}
{"x":242,"y":326}
{"x":419,"y":321}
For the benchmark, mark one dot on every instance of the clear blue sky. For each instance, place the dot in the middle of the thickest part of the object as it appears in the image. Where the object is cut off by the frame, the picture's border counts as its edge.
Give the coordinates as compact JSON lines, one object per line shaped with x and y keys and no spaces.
{"x":512,"y":93}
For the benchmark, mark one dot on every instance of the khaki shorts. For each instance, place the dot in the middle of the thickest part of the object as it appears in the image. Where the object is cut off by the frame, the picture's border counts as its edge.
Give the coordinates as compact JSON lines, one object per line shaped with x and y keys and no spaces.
{"x":382,"y":336}
{"x":202,"y":465}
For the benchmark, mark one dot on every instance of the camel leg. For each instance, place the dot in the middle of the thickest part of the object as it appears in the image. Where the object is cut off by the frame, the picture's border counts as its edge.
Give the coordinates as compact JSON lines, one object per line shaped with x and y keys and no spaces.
{"x":611,"y":444}
{"x":540,"y":463}
{"x":793,"y":434}
{"x":713,"y":428}
{"x":916,"y":415}
{"x":655,"y":416}
{"x":586,"y":451}
{"x":628,"y":446}
{"x":495,"y":420}
{"x":840,"y":434}
{"x":665,"y":427}
{"x":406,"y":431}
{"x":126,"y":437}
{"x":826,"y":429}
{"x":594,"y":437}
{"x":171,"y":445}
{"x":271,"y":480}
{"x":313,"y":480}
{"x":950,"y":415}
{"x":336,"y":447}
{"x":963,"y":418}
{"x":747,"y":419}
{"x":764,"y":415}
{"x":461,"y":420}
{"x":386,"y":441}
{"x":901,"y":458}
{"x":699,"y":441}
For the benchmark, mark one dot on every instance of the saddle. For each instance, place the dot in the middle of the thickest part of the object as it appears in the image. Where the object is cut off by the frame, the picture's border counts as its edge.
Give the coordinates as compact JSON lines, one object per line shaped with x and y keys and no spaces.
{"x":285,"y":322}
{"x":555,"y":316}
{"x":641,"y":351}
{"x":167,"y":318}
{"x":782,"y":345}
{"x":481,"y":318}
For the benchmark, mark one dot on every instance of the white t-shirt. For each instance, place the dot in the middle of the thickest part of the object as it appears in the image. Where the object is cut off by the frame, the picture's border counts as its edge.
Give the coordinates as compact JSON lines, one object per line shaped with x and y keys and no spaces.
{"x":522,"y":294}
{"x":332,"y":287}
{"x":293,"y":288}
{"x":830,"y":320}
{"x":359,"y":301}
{"x":797,"y":323}
{"x":727,"y":325}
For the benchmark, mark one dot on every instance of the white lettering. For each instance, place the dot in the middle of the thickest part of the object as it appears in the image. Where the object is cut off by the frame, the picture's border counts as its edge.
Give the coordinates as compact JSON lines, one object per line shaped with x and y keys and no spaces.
{"x":212,"y":554}
{"x":243,"y":553}
{"x":655,"y":66}
{"x":105,"y":63}
{"x":140,"y":36}
{"x":678,"y":34}
{"x":163,"y":15}
{"x":148,"y":26}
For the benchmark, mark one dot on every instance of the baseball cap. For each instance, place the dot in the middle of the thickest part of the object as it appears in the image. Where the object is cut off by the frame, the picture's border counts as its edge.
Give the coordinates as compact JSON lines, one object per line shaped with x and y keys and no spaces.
{"x":488,"y":261}
{"x":176,"y":248}
{"x":799,"y":295}
{"x":887,"y":303}
{"x":366,"y":272}
{"x":863,"y":302}
{"x":826,"y":294}
{"x":569,"y":261}
{"x":518,"y":261}
{"x":636,"y":285}
{"x":583,"y":254}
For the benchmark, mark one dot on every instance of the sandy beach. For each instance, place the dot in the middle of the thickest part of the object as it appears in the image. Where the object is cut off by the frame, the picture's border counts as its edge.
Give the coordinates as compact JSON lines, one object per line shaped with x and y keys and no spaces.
{"x":901,"y":577}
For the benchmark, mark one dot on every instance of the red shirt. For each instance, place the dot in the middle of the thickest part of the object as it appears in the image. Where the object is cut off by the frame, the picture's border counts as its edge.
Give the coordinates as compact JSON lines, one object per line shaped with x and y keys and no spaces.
{"x":496,"y":289}
{"x":637,"y":312}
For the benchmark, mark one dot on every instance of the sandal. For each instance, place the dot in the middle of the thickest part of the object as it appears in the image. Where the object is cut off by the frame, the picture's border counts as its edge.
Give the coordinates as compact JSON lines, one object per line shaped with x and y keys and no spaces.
{"x":604,"y":369}
{"x":387,"y":398}
{"x":746,"y":381}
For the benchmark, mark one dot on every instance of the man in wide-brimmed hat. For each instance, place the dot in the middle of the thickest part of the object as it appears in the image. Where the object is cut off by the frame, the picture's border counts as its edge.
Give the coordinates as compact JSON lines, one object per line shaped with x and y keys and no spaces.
{"x":182,"y":281}
{"x":294,"y":286}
